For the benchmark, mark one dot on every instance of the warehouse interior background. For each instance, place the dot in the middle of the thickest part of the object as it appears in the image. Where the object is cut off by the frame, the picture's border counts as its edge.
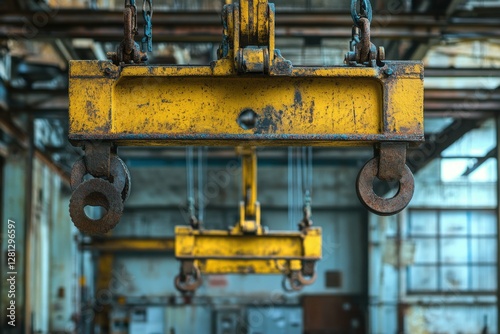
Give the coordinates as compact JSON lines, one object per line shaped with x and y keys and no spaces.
{"x":432,"y":268}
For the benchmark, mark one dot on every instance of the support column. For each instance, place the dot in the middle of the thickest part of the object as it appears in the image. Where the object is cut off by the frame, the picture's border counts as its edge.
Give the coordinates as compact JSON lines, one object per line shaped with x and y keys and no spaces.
{"x":103,"y":295}
{"x":498,"y":222}
{"x":28,"y":209}
{"x":14,"y":208}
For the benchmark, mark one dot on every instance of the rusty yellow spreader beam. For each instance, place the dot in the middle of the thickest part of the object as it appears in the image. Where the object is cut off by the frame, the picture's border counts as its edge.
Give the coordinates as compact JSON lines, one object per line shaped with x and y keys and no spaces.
{"x":204,"y":105}
{"x":292,"y":254}
{"x":248,"y":248}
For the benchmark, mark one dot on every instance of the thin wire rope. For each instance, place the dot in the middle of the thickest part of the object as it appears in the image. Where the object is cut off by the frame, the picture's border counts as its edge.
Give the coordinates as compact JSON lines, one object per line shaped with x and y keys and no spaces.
{"x":189,"y":173}
{"x":310,"y":169}
{"x":205,"y":173}
{"x":299,"y":203}
{"x":304,"y":175}
{"x":201,"y":200}
{"x":290,"y":187}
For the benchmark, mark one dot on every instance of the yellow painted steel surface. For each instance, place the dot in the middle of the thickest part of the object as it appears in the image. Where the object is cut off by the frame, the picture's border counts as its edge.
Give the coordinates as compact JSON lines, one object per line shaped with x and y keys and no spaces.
{"x":221,"y":267}
{"x":172,"y":105}
{"x":131,"y":244}
{"x":251,"y":209}
{"x":220,"y":252}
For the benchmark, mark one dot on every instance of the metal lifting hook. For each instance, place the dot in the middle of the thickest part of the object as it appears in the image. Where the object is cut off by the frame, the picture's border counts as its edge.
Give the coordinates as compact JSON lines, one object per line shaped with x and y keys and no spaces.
{"x":366,"y":11}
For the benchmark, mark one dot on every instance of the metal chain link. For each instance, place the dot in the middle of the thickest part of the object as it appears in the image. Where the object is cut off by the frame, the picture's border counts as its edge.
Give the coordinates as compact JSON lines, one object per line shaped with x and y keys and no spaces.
{"x":202,"y":154}
{"x":147,"y":13}
{"x":362,"y":50}
{"x":131,"y":4}
{"x":365,"y":11}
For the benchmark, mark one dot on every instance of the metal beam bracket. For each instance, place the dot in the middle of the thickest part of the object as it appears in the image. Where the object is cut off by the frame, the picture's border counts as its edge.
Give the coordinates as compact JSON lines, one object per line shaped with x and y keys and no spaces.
{"x":392,"y":161}
{"x":97,"y":158}
{"x":249,"y":39}
{"x":388,"y":165}
{"x":249,"y":206}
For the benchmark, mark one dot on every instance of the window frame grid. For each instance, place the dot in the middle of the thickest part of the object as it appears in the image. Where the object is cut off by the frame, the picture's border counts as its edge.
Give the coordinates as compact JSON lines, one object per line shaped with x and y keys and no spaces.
{"x":439,"y":264}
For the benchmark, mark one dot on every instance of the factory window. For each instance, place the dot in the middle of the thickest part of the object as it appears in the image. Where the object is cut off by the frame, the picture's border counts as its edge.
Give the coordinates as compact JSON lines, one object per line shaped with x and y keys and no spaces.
{"x":472,"y":157}
{"x":455,"y":251}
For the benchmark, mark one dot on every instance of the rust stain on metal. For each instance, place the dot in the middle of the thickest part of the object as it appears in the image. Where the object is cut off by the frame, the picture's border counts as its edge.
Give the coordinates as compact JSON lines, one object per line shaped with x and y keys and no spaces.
{"x":91,"y":109}
{"x":311,"y":112}
{"x":246,"y":269}
{"x":269,"y":121}
{"x":297,"y":97}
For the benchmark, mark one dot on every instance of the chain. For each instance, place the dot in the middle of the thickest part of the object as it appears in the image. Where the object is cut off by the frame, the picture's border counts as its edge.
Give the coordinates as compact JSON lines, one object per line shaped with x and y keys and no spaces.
{"x":307,"y":169}
{"x":300,"y":180}
{"x":147,"y":12}
{"x":128,"y":51}
{"x":362,"y":50}
{"x":365,"y":11}
{"x":131,"y":4}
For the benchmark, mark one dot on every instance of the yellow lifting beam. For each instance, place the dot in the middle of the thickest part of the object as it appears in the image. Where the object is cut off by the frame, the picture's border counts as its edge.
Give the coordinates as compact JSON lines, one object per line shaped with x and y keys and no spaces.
{"x":247,"y":248}
{"x":250,"y":96}
{"x":170,"y":105}
{"x":224,"y":252}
